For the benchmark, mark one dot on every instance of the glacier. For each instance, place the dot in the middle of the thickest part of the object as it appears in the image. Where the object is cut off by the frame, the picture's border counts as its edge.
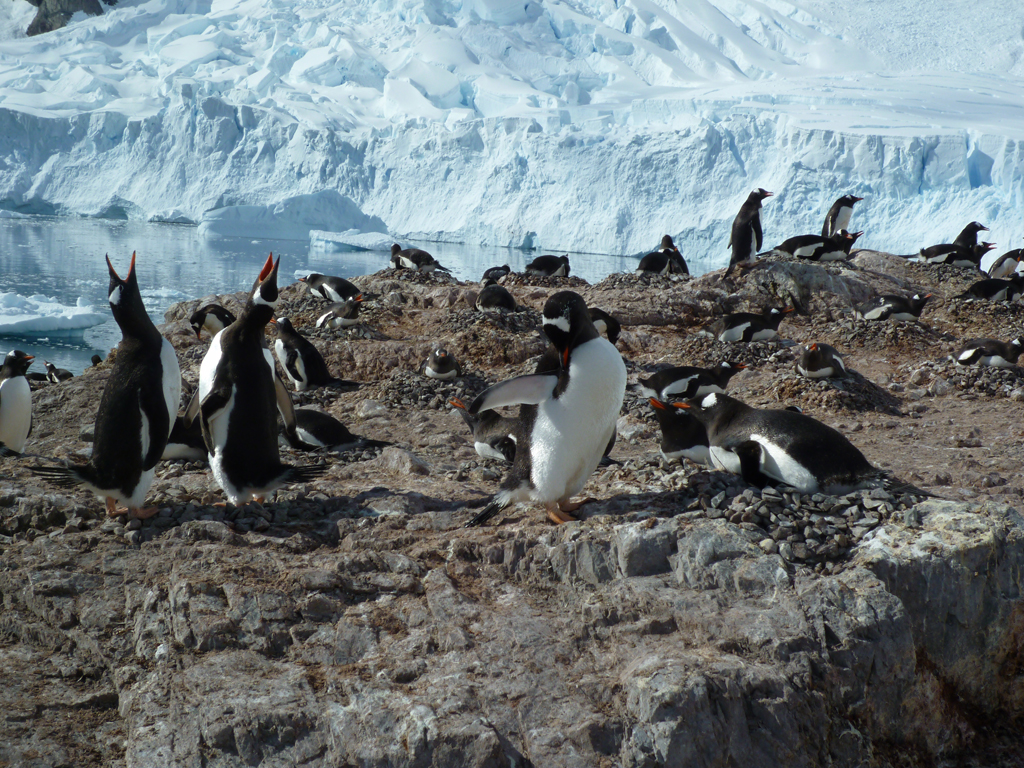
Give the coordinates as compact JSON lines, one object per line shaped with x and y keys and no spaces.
{"x":584,"y":125}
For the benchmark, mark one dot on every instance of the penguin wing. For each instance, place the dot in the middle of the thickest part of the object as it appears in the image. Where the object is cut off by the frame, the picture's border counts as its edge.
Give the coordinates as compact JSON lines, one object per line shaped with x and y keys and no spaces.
{"x":287,"y":411}
{"x":153,"y":405}
{"x":192,"y":410}
{"x":214,"y":403}
{"x":531,"y":389}
{"x":755,"y":223}
{"x":294,"y":365}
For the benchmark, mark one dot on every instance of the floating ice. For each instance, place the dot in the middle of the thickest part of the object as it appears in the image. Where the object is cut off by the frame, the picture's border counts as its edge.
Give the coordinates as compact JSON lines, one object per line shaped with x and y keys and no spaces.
{"x":350,"y":240}
{"x":38,"y":315}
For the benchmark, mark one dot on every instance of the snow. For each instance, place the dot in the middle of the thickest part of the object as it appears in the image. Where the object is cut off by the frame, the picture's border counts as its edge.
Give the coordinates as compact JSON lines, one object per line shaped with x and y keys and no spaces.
{"x":566,"y":125}
{"x":38,"y":315}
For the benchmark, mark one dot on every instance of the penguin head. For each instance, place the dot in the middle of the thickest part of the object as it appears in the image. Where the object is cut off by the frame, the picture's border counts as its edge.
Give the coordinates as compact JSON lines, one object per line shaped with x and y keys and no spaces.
{"x":126,"y":300}
{"x":850,"y":200}
{"x":567,"y":323}
{"x":731,"y":365}
{"x":17,"y":362}
{"x":1017,"y":343}
{"x":284,"y":325}
{"x":49,"y":366}
{"x":850,"y":236}
{"x":758,"y":195}
{"x":264,"y":294}
{"x":96,"y":360}
{"x":977,"y":226}
{"x":395,"y":249}
{"x":488,"y":281}
{"x":711,"y":408}
{"x":667,"y":244}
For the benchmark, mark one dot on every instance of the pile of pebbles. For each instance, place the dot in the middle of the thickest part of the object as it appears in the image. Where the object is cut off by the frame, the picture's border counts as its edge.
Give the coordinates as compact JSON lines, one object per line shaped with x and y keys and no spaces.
{"x":851,"y":392}
{"x":570,"y":283}
{"x":525,"y":320}
{"x":631,"y":281}
{"x":953,"y":279}
{"x":705,"y":350}
{"x":875,"y":334}
{"x":407,"y":389}
{"x":943,"y":377}
{"x":816,"y":529}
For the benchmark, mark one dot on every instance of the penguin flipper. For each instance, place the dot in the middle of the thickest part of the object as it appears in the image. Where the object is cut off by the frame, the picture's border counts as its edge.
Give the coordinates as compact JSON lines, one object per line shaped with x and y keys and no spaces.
{"x":154,"y":408}
{"x":294,"y":366}
{"x":287,"y":411}
{"x":192,"y":410}
{"x":758,"y":234}
{"x":531,"y":389}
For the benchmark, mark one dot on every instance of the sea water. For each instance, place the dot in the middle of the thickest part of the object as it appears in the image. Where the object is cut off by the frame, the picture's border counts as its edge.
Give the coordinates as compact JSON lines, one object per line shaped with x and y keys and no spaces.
{"x":64,"y":259}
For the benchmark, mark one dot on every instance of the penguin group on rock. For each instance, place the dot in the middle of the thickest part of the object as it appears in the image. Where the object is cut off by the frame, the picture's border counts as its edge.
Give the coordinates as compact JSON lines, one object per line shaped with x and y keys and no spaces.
{"x":566,"y":412}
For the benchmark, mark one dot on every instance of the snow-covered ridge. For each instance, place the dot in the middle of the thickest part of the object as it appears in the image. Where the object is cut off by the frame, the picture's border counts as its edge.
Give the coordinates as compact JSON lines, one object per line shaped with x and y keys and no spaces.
{"x":581,"y":125}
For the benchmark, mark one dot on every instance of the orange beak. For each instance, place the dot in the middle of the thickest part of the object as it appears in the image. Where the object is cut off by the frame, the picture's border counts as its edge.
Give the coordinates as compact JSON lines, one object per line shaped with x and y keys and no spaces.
{"x":788,"y":309}
{"x":358,"y":298}
{"x":657,"y":403}
{"x":30,"y":357}
{"x":565,"y":358}
{"x":687,"y":406}
{"x":457,"y":403}
{"x":131,"y":267}
{"x":266,"y":267}
{"x":814,"y":347}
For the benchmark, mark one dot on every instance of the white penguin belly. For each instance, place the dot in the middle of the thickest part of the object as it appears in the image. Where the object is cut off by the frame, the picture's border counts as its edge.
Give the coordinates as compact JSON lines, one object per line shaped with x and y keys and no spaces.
{"x":571,"y":431}
{"x":15,"y":412}
{"x":765,"y":334}
{"x":171,"y":374}
{"x":733,"y":334}
{"x":487,"y":451}
{"x":837,"y":255}
{"x":996,"y":361}
{"x":778,"y":464}
{"x":724,"y":459}
{"x":843,"y":218}
{"x":902,"y":316}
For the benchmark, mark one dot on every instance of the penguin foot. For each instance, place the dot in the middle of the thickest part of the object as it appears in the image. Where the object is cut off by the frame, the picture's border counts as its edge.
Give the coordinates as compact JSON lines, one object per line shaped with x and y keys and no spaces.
{"x":143,"y":513}
{"x":572,"y":506}
{"x":556,"y":516}
{"x":112,"y":510}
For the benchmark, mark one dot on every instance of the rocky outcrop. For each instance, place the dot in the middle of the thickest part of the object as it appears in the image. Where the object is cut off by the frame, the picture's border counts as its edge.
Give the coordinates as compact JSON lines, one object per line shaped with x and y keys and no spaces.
{"x":54,"y":14}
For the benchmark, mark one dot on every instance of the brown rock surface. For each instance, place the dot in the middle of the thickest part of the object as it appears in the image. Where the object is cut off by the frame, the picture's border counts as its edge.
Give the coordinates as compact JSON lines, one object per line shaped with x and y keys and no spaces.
{"x":686,"y":620}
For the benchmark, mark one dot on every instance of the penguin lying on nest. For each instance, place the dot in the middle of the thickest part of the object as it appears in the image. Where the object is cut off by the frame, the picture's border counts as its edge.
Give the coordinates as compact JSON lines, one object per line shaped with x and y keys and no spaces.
{"x":782,"y":446}
{"x":566,"y":419}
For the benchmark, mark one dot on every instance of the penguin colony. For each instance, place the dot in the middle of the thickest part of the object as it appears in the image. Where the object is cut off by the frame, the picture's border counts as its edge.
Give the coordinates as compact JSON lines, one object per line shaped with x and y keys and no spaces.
{"x":564,"y":420}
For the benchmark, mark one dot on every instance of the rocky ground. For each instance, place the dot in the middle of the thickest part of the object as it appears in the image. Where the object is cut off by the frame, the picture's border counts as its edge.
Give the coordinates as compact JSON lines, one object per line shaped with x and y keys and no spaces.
{"x":687,"y":619}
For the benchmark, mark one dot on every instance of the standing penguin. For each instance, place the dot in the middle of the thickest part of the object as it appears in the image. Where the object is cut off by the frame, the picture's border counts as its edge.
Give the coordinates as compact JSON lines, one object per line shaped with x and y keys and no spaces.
{"x":747,"y":236}
{"x":567,"y":418}
{"x":839,"y":215}
{"x":137,"y":409}
{"x":238,"y":402}
{"x":15,"y":403}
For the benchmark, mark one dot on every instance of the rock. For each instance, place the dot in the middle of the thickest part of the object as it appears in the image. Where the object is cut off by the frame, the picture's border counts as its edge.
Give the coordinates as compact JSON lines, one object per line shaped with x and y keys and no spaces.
{"x":394,"y":459}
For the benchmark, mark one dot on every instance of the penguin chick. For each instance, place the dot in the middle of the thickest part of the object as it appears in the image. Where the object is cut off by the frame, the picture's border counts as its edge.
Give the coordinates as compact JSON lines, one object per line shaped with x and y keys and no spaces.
{"x":441,"y":365}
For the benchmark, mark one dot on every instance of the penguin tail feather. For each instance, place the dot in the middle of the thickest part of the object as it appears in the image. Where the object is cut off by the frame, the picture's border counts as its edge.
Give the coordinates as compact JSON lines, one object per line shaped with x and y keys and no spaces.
{"x":305,"y":474}
{"x":494,"y":507}
{"x":366,"y":442}
{"x":608,"y":461}
{"x":344,"y":384}
{"x":63,"y":477}
{"x":896,"y":486}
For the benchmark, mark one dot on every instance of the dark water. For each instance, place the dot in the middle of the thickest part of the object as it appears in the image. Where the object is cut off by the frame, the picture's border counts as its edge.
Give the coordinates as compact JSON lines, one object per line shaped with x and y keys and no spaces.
{"x":63,"y":259}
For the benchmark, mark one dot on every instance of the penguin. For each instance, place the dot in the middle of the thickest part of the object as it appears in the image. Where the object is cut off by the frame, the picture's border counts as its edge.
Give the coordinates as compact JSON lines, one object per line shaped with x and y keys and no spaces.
{"x":549,"y":266}
{"x":686,"y":382}
{"x":301,"y":361}
{"x":95,"y":360}
{"x":137,"y":408}
{"x":212,"y":318}
{"x":441,"y":365}
{"x":494,"y":297}
{"x":682,"y":435}
{"x":666,"y":260}
{"x":968,"y":237}
{"x":333,"y":289}
{"x":957,"y":255}
{"x":496,"y":273}
{"x":56,"y":375}
{"x":566,"y":419}
{"x":414,"y":258}
{"x":492,"y":432}
{"x":838,"y":216}
{"x":820,"y":361}
{"x":893,"y":307}
{"x":1006,"y":264}
{"x":605,"y":324}
{"x":793,"y":448}
{"x":15,"y":403}
{"x":746,"y":236}
{"x":238,"y":400}
{"x":341,"y":314}
{"x":185,"y":441}
{"x":750,"y":326}
{"x":815,"y":248}
{"x":322,"y":430}
{"x":999,"y":354}
{"x":996,"y":290}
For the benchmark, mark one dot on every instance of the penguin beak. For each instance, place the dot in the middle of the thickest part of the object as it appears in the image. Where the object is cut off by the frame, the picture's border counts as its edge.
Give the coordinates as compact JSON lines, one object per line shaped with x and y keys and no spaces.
{"x":457,"y":403}
{"x":740,"y":366}
{"x":131,"y":267}
{"x":30,"y":358}
{"x":814,"y":347}
{"x":565,"y":358}
{"x":787,"y":310}
{"x":358,"y":298}
{"x":302,"y":279}
{"x":657,"y":403}
{"x":685,"y":406}
{"x":113,"y":272}
{"x":857,"y":199}
{"x":267,"y":268}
